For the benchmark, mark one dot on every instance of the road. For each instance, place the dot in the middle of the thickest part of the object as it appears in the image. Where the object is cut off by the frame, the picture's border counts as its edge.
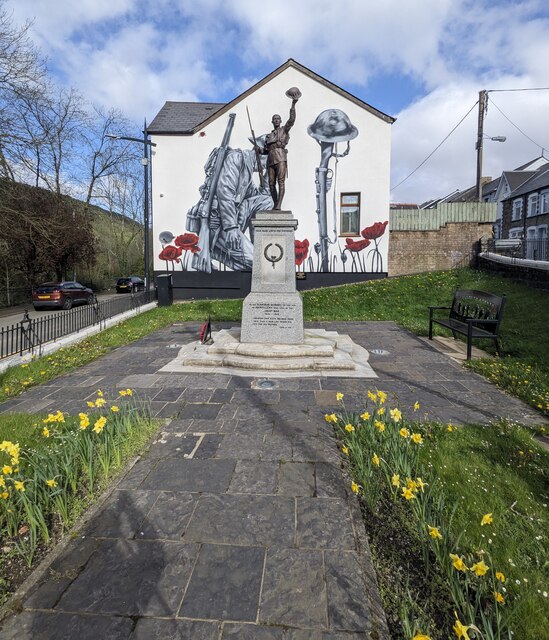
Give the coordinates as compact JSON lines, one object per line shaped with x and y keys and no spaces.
{"x":12,"y":315}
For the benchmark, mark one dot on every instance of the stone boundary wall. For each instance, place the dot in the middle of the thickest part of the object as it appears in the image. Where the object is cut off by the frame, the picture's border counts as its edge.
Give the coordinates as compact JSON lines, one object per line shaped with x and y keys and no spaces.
{"x":452,"y":245}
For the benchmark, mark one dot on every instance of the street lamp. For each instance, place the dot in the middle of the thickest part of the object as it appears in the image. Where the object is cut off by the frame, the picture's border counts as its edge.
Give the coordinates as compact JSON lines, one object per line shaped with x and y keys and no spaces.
{"x":145,"y":162}
{"x":482,"y":108}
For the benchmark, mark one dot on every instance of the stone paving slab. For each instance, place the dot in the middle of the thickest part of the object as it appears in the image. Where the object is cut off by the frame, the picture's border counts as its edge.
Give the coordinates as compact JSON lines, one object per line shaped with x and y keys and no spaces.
{"x":237,"y":521}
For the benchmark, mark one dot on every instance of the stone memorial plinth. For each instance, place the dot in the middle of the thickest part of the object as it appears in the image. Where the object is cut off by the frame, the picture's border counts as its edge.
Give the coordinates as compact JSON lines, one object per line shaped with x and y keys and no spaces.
{"x":273,"y":311}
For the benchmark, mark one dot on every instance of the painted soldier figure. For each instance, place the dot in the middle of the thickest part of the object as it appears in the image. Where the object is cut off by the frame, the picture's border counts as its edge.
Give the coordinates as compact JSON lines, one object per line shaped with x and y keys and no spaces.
{"x":275,"y":148}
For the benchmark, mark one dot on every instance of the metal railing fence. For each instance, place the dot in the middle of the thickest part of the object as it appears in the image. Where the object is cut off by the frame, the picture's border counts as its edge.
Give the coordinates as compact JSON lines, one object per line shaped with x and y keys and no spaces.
{"x":30,"y":334}
{"x":529,"y":248}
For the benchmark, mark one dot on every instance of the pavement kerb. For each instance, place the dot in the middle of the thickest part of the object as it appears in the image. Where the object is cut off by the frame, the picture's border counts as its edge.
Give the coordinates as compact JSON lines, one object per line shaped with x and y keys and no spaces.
{"x":14,"y":603}
{"x":73,"y":338}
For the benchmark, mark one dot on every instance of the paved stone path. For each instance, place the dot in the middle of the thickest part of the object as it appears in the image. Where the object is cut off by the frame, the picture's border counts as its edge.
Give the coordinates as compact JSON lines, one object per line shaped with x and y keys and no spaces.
{"x":237,"y":522}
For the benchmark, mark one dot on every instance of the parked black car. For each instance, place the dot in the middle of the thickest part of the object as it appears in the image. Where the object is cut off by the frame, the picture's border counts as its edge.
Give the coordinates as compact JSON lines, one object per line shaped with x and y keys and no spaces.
{"x":131,"y":284}
{"x":62,"y":295}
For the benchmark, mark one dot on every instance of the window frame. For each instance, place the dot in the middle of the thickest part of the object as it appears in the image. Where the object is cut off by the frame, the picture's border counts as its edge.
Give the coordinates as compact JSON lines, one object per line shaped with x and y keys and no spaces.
{"x":516,"y":213}
{"x":346,"y":206}
{"x":532,"y":207}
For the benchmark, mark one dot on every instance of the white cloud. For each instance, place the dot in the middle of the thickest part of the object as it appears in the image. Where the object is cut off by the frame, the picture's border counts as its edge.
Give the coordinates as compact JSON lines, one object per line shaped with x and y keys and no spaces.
{"x":134,"y":55}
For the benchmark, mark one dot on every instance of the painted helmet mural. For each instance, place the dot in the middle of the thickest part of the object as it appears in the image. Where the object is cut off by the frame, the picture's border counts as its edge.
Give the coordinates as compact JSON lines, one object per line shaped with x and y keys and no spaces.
{"x":332,"y":125}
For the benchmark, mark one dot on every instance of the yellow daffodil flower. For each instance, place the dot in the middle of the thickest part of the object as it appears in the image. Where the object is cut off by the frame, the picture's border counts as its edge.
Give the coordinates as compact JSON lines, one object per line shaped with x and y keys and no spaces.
{"x":339,"y":396}
{"x":349,"y":427}
{"x":84,"y":421}
{"x":500,"y":576}
{"x":375,"y":460}
{"x":382,"y":397}
{"x":420,"y":484}
{"x":46,"y":432}
{"x":4,"y":495}
{"x":421,"y":636}
{"x":458,"y":563}
{"x":330,"y":417}
{"x":19,"y":486}
{"x":129,"y":392}
{"x":372,"y":396}
{"x":379,"y":425}
{"x":407,"y":493}
{"x":115,"y":409}
{"x":122,"y":393}
{"x":461,"y":630}
{"x":434,"y":532}
{"x":6,"y":470}
{"x":450,"y":428}
{"x":404,"y":432}
{"x":411,"y":484}
{"x":416,"y":405}
{"x":345,"y":450}
{"x":417,"y":438}
{"x":59,"y":417}
{"x":100,"y":402}
{"x":486,"y":519}
{"x":499,"y":597}
{"x":381,"y":411}
{"x":99,"y":393}
{"x":51,"y":483}
{"x":395,"y":480}
{"x":90,"y":404}
{"x":395,"y":414}
{"x":2,"y":482}
{"x":365,"y":415}
{"x":99,"y":424}
{"x":480,"y":568}
{"x":355,"y":488}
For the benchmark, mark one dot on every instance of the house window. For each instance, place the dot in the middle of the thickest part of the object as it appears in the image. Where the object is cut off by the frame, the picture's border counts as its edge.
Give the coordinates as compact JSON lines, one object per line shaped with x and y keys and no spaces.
{"x":350,"y":214}
{"x":544,"y":202}
{"x":517,"y":209}
{"x":533,"y":201}
{"x":515,"y":232}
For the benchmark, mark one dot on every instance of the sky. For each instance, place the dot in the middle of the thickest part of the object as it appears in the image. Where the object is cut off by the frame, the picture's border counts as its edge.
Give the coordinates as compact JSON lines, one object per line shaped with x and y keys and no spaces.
{"x":421,"y":61}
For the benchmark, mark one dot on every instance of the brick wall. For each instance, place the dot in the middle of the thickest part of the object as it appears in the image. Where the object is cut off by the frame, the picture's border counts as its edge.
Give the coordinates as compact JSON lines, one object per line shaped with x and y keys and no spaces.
{"x":453,"y":245}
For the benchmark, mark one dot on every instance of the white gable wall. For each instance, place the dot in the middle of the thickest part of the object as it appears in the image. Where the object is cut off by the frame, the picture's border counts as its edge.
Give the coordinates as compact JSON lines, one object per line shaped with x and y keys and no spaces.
{"x":178,"y":161}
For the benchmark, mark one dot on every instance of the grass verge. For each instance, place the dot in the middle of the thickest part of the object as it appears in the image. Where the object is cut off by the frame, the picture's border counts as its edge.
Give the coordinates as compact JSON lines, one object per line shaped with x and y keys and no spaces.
{"x":456,"y":519}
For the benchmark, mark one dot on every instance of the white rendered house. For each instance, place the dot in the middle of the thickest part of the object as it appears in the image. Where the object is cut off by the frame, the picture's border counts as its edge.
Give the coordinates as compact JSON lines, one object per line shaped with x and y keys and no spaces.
{"x":206,"y":186}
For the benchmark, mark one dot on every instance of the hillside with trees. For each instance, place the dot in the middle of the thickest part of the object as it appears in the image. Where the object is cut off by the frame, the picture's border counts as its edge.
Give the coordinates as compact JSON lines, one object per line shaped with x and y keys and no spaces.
{"x":71,"y":197}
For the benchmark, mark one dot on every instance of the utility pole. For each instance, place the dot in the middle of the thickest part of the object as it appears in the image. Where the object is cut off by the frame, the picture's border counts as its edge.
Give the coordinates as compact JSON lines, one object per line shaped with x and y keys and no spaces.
{"x":482,"y":106}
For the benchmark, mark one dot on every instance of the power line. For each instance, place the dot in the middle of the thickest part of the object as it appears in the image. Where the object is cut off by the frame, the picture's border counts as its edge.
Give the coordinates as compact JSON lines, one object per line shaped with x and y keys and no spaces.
{"x":435,"y":149}
{"x":528,"y":89}
{"x":516,"y":126}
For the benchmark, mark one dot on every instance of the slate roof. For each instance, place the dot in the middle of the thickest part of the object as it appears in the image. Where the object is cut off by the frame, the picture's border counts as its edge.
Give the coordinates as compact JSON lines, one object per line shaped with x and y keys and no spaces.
{"x":516,"y":178}
{"x":182,"y":117}
{"x":539,"y":180}
{"x":188,"y":117}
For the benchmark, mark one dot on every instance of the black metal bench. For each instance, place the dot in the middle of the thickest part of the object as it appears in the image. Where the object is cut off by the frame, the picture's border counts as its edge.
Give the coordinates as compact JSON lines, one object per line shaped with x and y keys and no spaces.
{"x":474,"y":314}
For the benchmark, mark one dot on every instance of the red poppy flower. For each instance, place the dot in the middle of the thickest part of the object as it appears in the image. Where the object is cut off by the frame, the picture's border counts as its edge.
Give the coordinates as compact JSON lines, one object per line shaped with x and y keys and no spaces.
{"x":170,"y":253}
{"x":357,"y":245}
{"x":375,"y":231}
{"x":301,"y":251}
{"x":187,"y":242}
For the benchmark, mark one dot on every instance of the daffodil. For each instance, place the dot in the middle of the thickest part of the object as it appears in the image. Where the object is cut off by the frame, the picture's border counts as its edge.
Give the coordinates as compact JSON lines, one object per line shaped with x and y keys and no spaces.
{"x":395,"y":480}
{"x":2,"y":482}
{"x":375,"y":460}
{"x":379,"y":425}
{"x":382,"y":396}
{"x":6,"y":470}
{"x":100,"y":402}
{"x":46,"y":432}
{"x":355,"y":488}
{"x":84,"y":421}
{"x":458,"y":563}
{"x":19,"y":486}
{"x":411,"y":484}
{"x":395,"y":414}
{"x":460,"y":629}
{"x":4,"y":495}
{"x":115,"y":409}
{"x":345,"y":450}
{"x":381,"y":411}
{"x":330,"y":417}
{"x":480,"y":568}
{"x":339,"y":396}
{"x":372,"y":396}
{"x":90,"y":404}
{"x":51,"y":483}
{"x":420,"y":484}
{"x":499,"y":597}
{"x":349,"y":427}
{"x":486,"y":519}
{"x":59,"y":417}
{"x":421,"y":636}
{"x":434,"y":532}
{"x":416,"y":405}
{"x":99,"y":393}
{"x":500,"y":576}
{"x":416,"y":437}
{"x":404,"y":432}
{"x":365,"y":415}
{"x":122,"y":392}
{"x":407,"y":493}
{"x":99,"y":424}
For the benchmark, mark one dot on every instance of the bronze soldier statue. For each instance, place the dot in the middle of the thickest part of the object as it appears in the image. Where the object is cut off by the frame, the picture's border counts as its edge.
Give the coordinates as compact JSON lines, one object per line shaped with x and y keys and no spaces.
{"x":275,"y":148}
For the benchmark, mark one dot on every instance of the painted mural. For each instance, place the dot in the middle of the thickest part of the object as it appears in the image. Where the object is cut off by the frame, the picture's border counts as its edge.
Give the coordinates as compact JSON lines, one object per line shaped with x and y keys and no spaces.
{"x":238,"y":183}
